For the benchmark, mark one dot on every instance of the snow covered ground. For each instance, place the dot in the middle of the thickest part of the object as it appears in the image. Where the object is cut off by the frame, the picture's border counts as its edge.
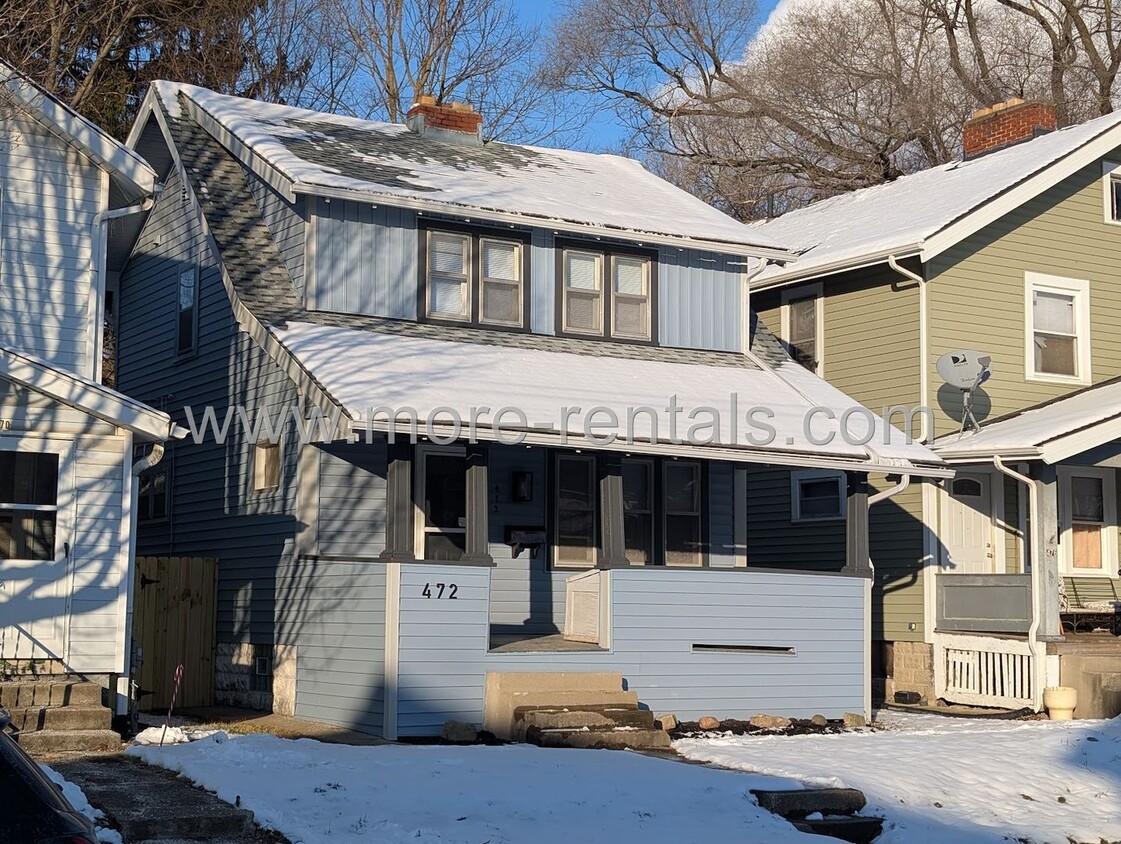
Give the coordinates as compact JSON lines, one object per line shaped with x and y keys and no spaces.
{"x":314,"y":792}
{"x":942,"y":780}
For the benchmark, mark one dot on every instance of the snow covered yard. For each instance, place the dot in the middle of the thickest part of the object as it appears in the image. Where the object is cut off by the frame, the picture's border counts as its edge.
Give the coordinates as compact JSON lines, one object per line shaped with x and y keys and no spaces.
{"x":940,"y":780}
{"x":314,"y":792}
{"x":78,"y":800}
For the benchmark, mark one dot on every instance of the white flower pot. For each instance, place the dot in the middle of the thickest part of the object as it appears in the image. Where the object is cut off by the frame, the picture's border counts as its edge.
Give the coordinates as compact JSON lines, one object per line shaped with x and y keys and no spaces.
{"x":1060,"y":702}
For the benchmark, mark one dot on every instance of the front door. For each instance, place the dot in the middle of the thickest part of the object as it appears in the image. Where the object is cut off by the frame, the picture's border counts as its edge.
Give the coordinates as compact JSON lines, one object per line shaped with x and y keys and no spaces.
{"x":967,"y":525}
{"x":441,"y":503}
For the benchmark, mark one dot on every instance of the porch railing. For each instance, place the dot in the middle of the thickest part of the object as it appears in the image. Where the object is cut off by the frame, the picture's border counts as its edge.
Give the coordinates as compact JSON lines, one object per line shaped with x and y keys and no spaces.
{"x":983,"y":670}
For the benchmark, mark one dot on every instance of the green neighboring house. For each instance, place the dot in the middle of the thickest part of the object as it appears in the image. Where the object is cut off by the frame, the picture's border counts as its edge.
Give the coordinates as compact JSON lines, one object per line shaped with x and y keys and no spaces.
{"x":1013,"y":251}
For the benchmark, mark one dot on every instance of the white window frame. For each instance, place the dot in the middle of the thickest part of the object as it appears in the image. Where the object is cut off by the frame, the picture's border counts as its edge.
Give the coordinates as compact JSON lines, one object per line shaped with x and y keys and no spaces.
{"x":1080,"y":290}
{"x":519,"y":259}
{"x":469,"y":281}
{"x":647,"y":296}
{"x":1109,"y":525}
{"x":65,"y":498}
{"x":1111,"y":173}
{"x":798,"y":477}
{"x":421,"y":455}
{"x":554,"y":533}
{"x":258,"y":467}
{"x":600,"y":260}
{"x":806,"y":291}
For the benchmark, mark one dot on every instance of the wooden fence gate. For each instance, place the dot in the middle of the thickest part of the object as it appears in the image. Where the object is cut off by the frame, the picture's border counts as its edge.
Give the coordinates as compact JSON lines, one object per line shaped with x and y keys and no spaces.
{"x":173,"y":622}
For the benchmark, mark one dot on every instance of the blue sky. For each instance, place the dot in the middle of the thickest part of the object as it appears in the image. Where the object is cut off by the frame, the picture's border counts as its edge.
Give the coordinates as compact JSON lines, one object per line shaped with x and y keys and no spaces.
{"x":604,"y":132}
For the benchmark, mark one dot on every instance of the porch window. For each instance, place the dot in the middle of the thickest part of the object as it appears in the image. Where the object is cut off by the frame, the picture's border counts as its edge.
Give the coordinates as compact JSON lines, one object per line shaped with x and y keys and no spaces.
{"x":1088,"y":496}
{"x":188,"y":305}
{"x":575,"y":543}
{"x":802,"y":325}
{"x":28,"y":505}
{"x":449,"y":275}
{"x":817,"y":496}
{"x":1058,"y":329}
{"x":638,"y":510}
{"x":443,"y":497}
{"x":683,"y":518}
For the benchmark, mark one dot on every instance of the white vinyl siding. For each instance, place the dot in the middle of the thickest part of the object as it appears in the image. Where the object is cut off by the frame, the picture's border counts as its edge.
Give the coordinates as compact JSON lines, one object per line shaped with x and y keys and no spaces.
{"x":1057,"y":329}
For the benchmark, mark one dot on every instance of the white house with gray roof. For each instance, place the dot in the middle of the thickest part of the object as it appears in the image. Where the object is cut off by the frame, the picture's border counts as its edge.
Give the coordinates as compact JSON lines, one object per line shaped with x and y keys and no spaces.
{"x":551,"y":522}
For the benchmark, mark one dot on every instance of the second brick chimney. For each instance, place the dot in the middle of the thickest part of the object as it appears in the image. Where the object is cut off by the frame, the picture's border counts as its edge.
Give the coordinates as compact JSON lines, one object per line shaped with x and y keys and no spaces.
{"x":1005,"y":124}
{"x":452,"y":122}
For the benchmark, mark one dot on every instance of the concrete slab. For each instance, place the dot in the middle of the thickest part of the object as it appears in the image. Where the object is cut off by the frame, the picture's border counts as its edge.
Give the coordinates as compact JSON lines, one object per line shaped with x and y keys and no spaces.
{"x":250,"y":721}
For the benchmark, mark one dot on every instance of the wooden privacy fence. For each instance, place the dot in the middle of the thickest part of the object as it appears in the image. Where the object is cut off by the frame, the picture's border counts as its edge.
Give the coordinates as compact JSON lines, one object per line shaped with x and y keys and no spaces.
{"x":173,"y":622}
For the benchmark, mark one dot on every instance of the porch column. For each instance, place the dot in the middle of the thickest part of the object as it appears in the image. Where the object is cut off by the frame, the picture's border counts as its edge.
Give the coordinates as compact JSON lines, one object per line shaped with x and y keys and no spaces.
{"x":613,"y":547}
{"x":1046,"y":555}
{"x":857,"y":554}
{"x":399,"y":505}
{"x":478,"y":507}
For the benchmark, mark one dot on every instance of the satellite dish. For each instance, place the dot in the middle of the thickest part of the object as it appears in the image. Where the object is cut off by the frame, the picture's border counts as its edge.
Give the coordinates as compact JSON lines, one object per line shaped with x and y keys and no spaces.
{"x":967,"y":370}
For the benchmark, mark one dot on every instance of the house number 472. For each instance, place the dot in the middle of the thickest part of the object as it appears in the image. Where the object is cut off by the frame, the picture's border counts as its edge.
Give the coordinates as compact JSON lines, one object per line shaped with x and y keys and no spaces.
{"x":440,"y":590}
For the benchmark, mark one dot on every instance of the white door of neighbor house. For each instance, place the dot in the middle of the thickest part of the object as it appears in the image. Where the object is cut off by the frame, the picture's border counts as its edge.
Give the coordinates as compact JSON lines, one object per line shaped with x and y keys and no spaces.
{"x":967,"y":525}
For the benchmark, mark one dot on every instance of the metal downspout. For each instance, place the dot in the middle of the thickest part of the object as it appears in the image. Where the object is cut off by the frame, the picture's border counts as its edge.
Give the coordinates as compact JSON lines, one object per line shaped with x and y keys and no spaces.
{"x":1039,"y":660}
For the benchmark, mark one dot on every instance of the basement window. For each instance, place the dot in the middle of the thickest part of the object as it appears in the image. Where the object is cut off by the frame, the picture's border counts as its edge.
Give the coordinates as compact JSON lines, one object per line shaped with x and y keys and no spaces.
{"x":28,"y":505}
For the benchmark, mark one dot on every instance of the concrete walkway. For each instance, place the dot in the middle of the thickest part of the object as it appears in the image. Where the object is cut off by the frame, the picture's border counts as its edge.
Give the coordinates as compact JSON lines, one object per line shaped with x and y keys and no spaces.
{"x":150,"y":804}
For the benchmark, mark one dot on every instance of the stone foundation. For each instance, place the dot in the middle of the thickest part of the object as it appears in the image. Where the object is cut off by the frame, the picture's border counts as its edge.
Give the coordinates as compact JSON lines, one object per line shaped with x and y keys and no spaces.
{"x":236,"y":682}
{"x":911,"y":670}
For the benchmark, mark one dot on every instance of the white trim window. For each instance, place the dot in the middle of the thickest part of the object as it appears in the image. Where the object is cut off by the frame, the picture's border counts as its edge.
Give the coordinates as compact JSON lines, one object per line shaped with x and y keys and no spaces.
{"x":630,"y":297}
{"x":1088,"y":514}
{"x":1057,"y":329}
{"x":1111,"y":192}
{"x":817,"y":496}
{"x":575,"y":511}
{"x":583,"y":292}
{"x":29,"y":495}
{"x":448,"y":292}
{"x":683,"y":521}
{"x":441,"y":502}
{"x":266,"y":466}
{"x":803,"y":325}
{"x":500,"y":285}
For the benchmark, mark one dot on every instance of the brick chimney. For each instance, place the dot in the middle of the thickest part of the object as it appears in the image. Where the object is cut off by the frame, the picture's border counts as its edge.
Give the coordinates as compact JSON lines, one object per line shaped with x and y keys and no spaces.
{"x":452,"y":122}
{"x":1005,"y":124}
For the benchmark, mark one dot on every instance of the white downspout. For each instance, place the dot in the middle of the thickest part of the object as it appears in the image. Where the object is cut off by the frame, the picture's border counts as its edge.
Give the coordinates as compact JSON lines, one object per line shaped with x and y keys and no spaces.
{"x":924,"y":376}
{"x":1039,"y":660}
{"x":97,"y":281}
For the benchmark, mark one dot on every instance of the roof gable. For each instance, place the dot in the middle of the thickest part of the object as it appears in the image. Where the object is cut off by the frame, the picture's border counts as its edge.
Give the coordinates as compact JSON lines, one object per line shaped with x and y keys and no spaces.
{"x":297,"y":150}
{"x":928,"y":212}
{"x":131,"y":174}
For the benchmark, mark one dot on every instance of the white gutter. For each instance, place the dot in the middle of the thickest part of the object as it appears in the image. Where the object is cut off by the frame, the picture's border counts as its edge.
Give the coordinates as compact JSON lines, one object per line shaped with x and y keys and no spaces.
{"x":924,"y":339}
{"x":97,"y":271}
{"x":1039,"y":654}
{"x":844,"y":265}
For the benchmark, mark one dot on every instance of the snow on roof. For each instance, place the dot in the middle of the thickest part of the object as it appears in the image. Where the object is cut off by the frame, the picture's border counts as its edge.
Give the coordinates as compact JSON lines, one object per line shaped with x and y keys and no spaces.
{"x":901,"y":215}
{"x":132,"y":172}
{"x":1047,"y":430}
{"x":319,"y":150}
{"x":366,"y":369}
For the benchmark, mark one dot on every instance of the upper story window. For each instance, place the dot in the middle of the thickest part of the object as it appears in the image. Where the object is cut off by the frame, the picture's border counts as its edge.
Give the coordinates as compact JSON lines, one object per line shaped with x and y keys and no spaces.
{"x":802,"y":325}
{"x":606,"y":292}
{"x":476,"y":278}
{"x":153,"y":493}
{"x":266,"y":466}
{"x":1057,"y":329}
{"x":1111,"y":188}
{"x":28,"y":505}
{"x":187,"y":304}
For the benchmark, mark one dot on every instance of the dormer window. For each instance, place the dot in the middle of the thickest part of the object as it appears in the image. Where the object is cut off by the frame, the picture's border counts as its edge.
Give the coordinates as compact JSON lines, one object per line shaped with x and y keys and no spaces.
{"x":474,"y":277}
{"x":606,"y":293}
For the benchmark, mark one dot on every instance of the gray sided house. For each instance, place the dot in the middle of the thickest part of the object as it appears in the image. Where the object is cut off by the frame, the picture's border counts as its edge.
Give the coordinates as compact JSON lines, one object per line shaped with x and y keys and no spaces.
{"x":301,"y":265}
{"x":67,"y":442}
{"x":1003,"y":580}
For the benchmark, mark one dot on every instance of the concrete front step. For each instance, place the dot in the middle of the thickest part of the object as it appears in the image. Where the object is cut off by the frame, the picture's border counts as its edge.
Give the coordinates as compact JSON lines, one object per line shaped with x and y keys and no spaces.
{"x":508,"y":691}
{"x":62,"y":718}
{"x":42,"y":742}
{"x":800,"y":803}
{"x":854,"y":830}
{"x":19,"y":694}
{"x":617,"y":738}
{"x":578,"y":717}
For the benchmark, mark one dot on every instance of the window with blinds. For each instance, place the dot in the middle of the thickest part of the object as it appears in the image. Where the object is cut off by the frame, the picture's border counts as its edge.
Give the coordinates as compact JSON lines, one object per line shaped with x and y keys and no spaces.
{"x":630,"y":297}
{"x":1058,"y":328}
{"x":449,"y":275}
{"x":501,"y":282}
{"x":475,"y":278}
{"x":604,"y":294}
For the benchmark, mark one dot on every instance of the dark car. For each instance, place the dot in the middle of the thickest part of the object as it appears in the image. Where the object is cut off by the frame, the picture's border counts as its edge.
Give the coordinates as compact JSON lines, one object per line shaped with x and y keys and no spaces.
{"x":32,"y":808}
